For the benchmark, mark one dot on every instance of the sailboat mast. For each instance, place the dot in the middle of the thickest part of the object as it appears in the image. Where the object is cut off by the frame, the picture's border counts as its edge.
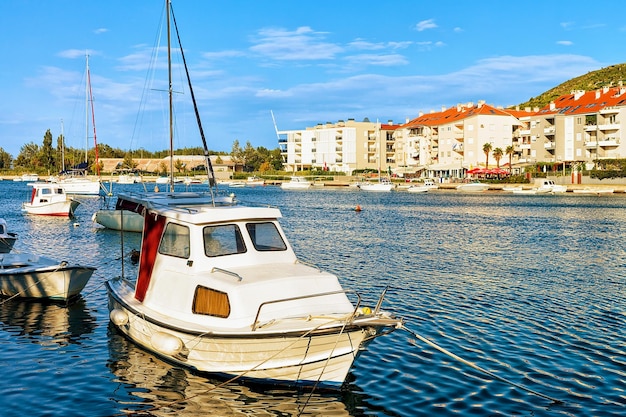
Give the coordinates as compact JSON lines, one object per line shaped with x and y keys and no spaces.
{"x":62,"y":149}
{"x":86,"y":104}
{"x":93,"y":122}
{"x":169,"y":75}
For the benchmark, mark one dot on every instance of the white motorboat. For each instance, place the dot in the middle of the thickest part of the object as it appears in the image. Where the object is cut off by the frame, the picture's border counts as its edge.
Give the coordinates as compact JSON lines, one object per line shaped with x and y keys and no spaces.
{"x":7,"y":239}
{"x":254,"y":181}
{"x":383,"y":184}
{"x":80,"y":185}
{"x":296,"y":183}
{"x":50,"y":199}
{"x":123,"y":220}
{"x":423,"y":187}
{"x":549,"y":186}
{"x":474,"y":186}
{"x":27,"y":178}
{"x":33,"y":276}
{"x":220,"y":290}
{"x":512,"y":188}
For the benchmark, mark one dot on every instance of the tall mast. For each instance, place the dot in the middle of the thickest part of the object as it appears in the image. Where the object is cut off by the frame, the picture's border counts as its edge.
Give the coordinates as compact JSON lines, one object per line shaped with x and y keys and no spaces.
{"x":86,"y":104}
{"x":169,"y":75}
{"x":62,"y":149}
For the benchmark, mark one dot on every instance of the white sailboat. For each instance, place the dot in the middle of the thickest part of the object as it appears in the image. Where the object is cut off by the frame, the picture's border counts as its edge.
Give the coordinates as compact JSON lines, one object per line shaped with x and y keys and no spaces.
{"x":219,"y":289}
{"x":75,"y":180}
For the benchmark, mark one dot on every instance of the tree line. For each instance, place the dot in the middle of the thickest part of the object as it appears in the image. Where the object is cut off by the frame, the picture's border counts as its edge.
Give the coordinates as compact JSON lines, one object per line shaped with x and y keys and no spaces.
{"x":50,"y":157}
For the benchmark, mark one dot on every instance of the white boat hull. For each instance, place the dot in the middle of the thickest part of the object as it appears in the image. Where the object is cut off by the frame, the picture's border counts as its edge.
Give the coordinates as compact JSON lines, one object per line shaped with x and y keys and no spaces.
{"x":473,"y":187}
{"x":55,"y":208}
{"x":29,"y":276}
{"x":80,"y":186}
{"x":125,"y":220}
{"x":383,"y":187}
{"x":307,"y":356}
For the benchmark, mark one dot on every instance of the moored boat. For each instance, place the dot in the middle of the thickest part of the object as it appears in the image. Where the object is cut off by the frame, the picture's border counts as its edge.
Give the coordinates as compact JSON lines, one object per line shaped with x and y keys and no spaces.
{"x":296,"y":183}
{"x":474,"y":186}
{"x":33,"y":276}
{"x":7,"y":239}
{"x":220,"y":290}
{"x":49,"y":199}
{"x":123,"y":220}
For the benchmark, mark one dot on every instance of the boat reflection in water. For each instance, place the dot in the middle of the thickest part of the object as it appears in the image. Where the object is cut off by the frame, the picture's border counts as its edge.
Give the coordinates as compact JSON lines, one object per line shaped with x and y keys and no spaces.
{"x":46,"y":322}
{"x":158,"y":388}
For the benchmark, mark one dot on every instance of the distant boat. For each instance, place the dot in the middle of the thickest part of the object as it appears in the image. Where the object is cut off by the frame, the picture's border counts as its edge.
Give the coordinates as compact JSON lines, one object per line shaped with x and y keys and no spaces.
{"x":33,"y":276}
{"x":474,"y":186}
{"x":593,"y":190}
{"x":50,"y":199}
{"x":255,"y":181}
{"x":296,"y":183}
{"x":383,"y":184}
{"x":7,"y":239}
{"x":427,"y":185}
{"x":549,"y":186}
{"x":27,"y":178}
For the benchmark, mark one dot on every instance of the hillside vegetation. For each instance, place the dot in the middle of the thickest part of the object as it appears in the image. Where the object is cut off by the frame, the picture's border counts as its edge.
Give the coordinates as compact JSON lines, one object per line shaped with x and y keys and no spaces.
{"x":611,"y":76}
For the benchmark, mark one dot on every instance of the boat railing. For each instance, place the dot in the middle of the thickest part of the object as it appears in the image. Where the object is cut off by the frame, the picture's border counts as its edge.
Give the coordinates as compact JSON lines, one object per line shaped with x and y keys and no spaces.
{"x":227,"y":272}
{"x":298,"y":261}
{"x":303,"y":297}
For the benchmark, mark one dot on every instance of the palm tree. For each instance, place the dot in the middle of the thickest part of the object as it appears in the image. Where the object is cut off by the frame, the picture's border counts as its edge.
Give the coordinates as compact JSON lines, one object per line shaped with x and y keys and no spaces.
{"x":509,"y":151}
{"x":497,"y":154}
{"x":486,"y":149}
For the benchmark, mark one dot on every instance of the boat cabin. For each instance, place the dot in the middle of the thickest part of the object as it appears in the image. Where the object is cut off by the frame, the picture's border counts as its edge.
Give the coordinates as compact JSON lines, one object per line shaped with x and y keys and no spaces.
{"x":228,"y":265}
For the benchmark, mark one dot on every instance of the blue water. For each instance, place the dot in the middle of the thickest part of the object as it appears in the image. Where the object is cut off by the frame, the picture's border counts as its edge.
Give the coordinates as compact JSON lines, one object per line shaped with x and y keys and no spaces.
{"x":531,"y":288}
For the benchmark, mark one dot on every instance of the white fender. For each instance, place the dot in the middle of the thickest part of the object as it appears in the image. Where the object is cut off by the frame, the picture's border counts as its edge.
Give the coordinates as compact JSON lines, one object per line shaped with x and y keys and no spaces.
{"x":166,"y":343}
{"x":118,"y":317}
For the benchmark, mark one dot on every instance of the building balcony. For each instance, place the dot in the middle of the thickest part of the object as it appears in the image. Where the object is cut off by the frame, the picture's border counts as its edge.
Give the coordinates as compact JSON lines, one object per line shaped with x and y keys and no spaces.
{"x":549,"y":146}
{"x":524,"y":146}
{"x":524,"y":132}
{"x":591,"y":128}
{"x":609,"y":126}
{"x":458,"y":147}
{"x":607,"y":143}
{"x":550,"y":130}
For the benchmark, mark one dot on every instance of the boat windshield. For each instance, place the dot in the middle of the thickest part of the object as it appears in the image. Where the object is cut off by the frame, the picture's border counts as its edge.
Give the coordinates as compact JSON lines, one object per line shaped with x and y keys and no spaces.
{"x":265,"y":237}
{"x":175,"y":241}
{"x":223,"y":240}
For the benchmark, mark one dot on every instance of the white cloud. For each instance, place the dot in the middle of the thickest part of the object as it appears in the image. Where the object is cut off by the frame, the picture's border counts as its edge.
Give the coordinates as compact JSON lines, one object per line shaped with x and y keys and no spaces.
{"x":302,"y":44}
{"x":565,"y":43}
{"x":425,"y":24}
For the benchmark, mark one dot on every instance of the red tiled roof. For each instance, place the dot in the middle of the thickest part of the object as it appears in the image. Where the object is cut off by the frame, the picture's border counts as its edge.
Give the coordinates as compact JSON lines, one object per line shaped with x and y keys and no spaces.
{"x":454,"y":114}
{"x":585,"y":102}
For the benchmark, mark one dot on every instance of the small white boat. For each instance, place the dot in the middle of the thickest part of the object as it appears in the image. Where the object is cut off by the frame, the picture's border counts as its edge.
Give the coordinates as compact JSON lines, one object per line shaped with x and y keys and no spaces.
{"x":296,"y":183}
{"x":548,"y":186}
{"x":27,"y":178}
{"x":525,"y":191}
{"x":124,"y":220}
{"x":512,"y":188}
{"x":7,"y":239}
{"x":49,"y":199}
{"x":383,"y":185}
{"x":236,"y":184}
{"x":593,"y":191}
{"x":33,"y":276}
{"x":254,"y":181}
{"x":474,"y":186}
{"x":425,"y":186}
{"x":220,"y":290}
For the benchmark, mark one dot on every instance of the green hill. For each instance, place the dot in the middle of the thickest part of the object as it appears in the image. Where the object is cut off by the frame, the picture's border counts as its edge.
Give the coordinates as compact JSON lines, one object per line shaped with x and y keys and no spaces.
{"x":610,"y":76}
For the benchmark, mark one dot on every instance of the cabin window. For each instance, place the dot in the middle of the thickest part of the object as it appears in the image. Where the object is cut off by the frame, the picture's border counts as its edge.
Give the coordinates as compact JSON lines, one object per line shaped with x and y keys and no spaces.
{"x":175,"y":241}
{"x":210,"y":302}
{"x":265,"y":237}
{"x":223,"y":240}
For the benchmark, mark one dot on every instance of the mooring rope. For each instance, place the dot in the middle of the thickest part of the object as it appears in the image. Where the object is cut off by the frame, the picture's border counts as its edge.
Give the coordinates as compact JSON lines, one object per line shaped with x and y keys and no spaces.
{"x":478,"y":368}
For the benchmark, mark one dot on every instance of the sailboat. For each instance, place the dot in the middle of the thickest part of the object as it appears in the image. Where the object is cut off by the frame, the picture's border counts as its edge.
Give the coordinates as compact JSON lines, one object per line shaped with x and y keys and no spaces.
{"x":220,"y":290}
{"x":383,"y":184}
{"x":75,"y":180}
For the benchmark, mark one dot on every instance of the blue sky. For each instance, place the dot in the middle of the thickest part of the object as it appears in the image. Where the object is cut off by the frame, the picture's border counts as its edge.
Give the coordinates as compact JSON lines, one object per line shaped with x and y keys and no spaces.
{"x":307,"y":61}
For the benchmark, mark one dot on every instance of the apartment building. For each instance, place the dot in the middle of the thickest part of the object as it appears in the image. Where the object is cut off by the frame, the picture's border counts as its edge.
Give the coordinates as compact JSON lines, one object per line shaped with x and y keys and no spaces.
{"x":577,"y":129}
{"x":343,"y":146}
{"x":449,"y":142}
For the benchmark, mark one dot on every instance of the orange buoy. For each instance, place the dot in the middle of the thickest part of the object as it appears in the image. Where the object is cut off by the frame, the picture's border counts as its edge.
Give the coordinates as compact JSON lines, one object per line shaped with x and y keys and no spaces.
{"x":357,"y":208}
